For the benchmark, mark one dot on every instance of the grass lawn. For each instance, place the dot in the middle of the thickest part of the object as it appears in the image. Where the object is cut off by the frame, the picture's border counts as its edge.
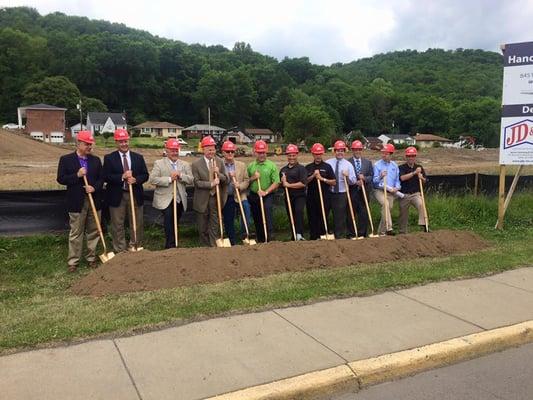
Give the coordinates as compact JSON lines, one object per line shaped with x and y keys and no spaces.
{"x":36,"y":308}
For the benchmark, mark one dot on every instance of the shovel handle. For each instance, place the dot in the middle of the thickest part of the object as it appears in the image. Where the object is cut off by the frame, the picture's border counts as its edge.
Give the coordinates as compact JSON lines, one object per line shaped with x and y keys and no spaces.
{"x":322,"y":205}
{"x":262,"y":205}
{"x":95,"y":213}
{"x":243,"y":215}
{"x":386,"y":202}
{"x":133,"y":215}
{"x":424,"y":204}
{"x":219,"y":209}
{"x":290,"y":212}
{"x":350,"y":205}
{"x":175,"y":210}
{"x":367,"y":208}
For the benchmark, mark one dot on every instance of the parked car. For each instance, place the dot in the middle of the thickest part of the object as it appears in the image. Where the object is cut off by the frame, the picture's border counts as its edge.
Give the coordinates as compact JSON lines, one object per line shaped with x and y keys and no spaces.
{"x":10,"y":126}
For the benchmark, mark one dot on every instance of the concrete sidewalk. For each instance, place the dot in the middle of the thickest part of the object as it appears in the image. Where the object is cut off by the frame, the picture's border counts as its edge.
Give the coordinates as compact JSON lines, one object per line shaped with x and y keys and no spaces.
{"x":221,"y":355}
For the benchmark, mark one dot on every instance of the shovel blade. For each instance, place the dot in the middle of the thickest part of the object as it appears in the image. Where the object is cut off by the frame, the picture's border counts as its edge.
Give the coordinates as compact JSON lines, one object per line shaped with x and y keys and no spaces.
{"x":373,"y":236}
{"x":134,"y":248}
{"x":223,"y":243}
{"x":105,"y":257}
{"x":358,"y":238}
{"x":249,"y":242}
{"x":328,"y":236}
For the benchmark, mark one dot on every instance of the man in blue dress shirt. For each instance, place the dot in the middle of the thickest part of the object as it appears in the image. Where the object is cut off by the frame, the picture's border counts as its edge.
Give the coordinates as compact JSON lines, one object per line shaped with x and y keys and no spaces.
{"x":386,"y":167}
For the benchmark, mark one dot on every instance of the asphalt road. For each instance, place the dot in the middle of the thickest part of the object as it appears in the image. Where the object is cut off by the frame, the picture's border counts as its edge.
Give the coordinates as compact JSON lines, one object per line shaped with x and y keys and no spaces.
{"x":501,"y":376}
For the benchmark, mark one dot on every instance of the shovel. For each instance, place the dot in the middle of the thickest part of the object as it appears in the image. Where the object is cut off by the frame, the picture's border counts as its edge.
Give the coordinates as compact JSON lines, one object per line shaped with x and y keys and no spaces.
{"x":220,"y":242}
{"x":350,"y":205}
{"x":372,"y":235}
{"x":262,"y":205}
{"x":175,"y":210}
{"x":135,"y":246}
{"x":386,"y":204}
{"x":424,"y":204}
{"x":105,"y":256}
{"x":247,"y":240}
{"x":327,"y":236}
{"x":291,"y":217}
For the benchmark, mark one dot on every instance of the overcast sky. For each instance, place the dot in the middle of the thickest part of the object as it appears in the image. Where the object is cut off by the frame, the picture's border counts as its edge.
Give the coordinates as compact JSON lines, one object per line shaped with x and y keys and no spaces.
{"x":326,"y":31}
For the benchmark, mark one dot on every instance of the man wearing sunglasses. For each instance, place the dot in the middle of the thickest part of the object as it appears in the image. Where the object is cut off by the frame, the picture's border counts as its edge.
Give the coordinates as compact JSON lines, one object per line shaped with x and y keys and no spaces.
{"x":410,"y":174}
{"x":234,"y":169}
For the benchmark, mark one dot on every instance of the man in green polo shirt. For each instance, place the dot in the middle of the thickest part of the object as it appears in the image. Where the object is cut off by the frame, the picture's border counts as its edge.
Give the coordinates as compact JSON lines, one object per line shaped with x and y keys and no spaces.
{"x":266,"y":172}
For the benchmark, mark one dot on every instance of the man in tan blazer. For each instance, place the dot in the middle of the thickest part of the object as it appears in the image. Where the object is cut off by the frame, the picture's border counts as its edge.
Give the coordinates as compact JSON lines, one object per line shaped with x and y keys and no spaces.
{"x":235,"y":169}
{"x":208,"y":171}
{"x":164,"y":173}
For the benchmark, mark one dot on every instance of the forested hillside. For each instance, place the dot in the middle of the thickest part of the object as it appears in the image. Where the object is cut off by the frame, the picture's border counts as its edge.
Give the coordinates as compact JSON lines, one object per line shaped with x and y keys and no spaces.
{"x":57,"y":59}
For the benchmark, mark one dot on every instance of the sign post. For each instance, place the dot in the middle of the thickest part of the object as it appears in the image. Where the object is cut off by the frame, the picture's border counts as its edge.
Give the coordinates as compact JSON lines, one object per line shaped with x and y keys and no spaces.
{"x":516,"y":136}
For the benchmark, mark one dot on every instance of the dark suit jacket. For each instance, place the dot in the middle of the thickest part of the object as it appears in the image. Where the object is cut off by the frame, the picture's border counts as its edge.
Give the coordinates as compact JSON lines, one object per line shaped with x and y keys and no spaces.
{"x":113,"y":171}
{"x":367,"y":170}
{"x":67,"y":171}
{"x":202,"y":184}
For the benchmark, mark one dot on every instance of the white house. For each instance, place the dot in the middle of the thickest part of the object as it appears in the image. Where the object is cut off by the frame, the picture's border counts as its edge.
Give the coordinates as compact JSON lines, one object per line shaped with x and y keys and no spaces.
{"x":105,"y":122}
{"x":159,"y":129}
{"x":74,"y":129}
{"x":261,"y":134}
{"x":397,"y":139}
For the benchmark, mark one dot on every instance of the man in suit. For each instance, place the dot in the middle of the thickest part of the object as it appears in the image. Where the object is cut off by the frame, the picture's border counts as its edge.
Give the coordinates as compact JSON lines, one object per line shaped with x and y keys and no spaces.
{"x":364,"y":171}
{"x":70,"y":172}
{"x":122,"y":168}
{"x":165,"y":172}
{"x":208,"y":171}
{"x":234,"y":169}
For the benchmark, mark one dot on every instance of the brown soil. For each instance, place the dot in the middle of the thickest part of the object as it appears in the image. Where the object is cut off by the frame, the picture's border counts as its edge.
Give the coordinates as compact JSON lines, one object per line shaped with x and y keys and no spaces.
{"x":152,"y":270}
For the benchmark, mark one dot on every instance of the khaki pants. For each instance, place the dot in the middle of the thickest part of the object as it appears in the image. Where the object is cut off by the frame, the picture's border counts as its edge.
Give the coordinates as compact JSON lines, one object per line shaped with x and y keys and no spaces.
{"x":380,"y":197}
{"x":207,"y":221}
{"x":118,"y":218}
{"x":80,"y":223}
{"x":416,"y":200}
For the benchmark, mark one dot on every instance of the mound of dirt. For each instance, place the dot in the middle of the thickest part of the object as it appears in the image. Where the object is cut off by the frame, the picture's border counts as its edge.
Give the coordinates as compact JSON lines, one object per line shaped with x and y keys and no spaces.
{"x":17,"y":145}
{"x":151,"y":270}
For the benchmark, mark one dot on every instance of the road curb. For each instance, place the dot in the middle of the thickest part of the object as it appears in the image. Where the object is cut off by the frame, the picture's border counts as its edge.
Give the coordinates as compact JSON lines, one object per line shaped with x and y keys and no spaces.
{"x":363,"y":373}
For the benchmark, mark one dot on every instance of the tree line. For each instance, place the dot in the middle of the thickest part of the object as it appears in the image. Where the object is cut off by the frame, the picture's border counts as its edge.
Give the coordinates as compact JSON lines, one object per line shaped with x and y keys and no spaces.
{"x":60,"y":59}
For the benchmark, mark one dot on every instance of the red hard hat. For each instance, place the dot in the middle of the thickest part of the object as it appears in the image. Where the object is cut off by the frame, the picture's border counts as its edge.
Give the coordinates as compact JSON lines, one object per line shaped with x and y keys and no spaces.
{"x":207,"y":141}
{"x":357,"y":145}
{"x":388,"y":148}
{"x":228,"y":145}
{"x":339,"y":145}
{"x":317,"y":148}
{"x":121,"y":134}
{"x":172,"y":144}
{"x":85,"y":136}
{"x":260,"y":146}
{"x":410,"y":151}
{"x":291,"y":149}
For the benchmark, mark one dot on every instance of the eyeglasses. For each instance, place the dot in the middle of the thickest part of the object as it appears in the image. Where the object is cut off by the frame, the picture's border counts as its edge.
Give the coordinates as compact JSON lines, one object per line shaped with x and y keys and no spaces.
{"x":229,"y":151}
{"x":410,"y":156}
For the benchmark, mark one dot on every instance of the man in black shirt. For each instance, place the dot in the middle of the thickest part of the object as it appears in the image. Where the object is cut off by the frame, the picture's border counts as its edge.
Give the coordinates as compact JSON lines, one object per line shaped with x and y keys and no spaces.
{"x":294,"y":177}
{"x":410,"y":174}
{"x":322,"y":172}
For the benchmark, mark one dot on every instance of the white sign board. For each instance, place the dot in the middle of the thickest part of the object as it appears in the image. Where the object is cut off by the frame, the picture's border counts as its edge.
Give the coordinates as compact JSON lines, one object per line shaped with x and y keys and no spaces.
{"x":516,"y":139}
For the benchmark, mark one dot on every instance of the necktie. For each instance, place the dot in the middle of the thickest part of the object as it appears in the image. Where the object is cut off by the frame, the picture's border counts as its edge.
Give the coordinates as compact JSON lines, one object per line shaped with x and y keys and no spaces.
{"x":126,"y":167}
{"x":337,"y":177}
{"x":212,"y":175}
{"x":357,"y":167}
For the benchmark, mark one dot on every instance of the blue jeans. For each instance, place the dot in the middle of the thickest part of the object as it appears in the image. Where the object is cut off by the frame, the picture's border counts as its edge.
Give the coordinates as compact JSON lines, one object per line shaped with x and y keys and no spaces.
{"x":228,"y":214}
{"x":248,"y":216}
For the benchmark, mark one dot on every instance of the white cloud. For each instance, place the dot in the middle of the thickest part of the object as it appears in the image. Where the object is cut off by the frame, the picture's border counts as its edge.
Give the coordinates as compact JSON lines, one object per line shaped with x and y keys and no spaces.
{"x":325,"y":31}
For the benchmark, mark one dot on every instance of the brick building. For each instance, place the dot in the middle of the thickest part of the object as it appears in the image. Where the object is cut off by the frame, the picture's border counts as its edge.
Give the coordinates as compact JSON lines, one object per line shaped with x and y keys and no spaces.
{"x":43,"y":122}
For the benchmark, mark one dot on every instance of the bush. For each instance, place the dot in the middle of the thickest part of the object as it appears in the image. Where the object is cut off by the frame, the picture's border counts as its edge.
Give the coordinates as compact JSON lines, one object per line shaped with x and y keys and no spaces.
{"x":145,"y":135}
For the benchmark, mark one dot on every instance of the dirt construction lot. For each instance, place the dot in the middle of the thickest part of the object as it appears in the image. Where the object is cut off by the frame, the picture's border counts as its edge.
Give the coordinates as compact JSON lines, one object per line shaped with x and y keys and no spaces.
{"x":26,"y":164}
